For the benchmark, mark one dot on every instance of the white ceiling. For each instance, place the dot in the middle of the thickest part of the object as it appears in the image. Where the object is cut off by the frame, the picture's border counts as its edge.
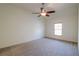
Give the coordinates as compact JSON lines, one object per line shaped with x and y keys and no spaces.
{"x":35,"y":7}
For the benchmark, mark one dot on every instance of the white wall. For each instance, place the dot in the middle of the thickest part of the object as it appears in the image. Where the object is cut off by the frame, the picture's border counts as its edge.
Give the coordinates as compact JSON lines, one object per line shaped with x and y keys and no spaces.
{"x":18,"y":26}
{"x":68,"y":16}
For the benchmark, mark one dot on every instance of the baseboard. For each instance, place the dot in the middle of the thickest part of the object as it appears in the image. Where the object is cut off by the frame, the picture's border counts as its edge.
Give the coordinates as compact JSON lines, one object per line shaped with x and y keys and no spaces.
{"x":11,"y":45}
{"x":61,"y":40}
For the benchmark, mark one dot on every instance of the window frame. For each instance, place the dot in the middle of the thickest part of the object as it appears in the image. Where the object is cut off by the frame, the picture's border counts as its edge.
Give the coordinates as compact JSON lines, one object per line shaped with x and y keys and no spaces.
{"x":58,"y":29}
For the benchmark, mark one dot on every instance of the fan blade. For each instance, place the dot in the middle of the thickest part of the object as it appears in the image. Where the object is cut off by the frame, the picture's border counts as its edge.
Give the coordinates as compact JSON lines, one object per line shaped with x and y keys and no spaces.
{"x":50,"y":11}
{"x":47,"y":15}
{"x":35,"y":13}
{"x":39,"y":15}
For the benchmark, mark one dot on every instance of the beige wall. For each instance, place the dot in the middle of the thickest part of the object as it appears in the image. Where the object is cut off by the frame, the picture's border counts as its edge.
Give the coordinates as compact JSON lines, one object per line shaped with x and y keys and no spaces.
{"x":68,"y":17}
{"x":18,"y":26}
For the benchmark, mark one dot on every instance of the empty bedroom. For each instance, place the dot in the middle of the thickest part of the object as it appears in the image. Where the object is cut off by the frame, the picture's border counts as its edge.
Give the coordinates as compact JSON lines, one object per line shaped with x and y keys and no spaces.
{"x":38,"y":29}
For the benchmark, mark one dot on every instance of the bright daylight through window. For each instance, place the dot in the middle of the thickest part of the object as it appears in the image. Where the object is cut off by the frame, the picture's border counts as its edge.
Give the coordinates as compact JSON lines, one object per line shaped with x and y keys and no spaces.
{"x":58,"y":29}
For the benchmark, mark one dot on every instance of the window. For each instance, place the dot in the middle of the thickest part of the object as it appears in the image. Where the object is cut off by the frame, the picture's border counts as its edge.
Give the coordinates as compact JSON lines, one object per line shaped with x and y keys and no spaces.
{"x":58,"y":29}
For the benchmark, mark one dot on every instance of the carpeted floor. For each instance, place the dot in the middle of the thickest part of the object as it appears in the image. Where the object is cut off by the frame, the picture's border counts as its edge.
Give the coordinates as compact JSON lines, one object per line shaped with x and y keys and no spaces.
{"x":42,"y":47}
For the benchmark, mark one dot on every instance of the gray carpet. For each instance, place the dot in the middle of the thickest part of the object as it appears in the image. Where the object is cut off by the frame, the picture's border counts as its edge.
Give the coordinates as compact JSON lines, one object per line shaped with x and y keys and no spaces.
{"x":42,"y":47}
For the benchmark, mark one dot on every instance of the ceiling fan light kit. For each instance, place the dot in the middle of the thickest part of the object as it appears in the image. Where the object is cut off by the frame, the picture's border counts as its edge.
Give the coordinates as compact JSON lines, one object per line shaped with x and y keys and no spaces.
{"x":44,"y":12}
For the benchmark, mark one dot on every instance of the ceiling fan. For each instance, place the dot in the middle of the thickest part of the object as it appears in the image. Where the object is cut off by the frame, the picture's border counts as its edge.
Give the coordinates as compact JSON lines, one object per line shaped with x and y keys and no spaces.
{"x":44,"y":12}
